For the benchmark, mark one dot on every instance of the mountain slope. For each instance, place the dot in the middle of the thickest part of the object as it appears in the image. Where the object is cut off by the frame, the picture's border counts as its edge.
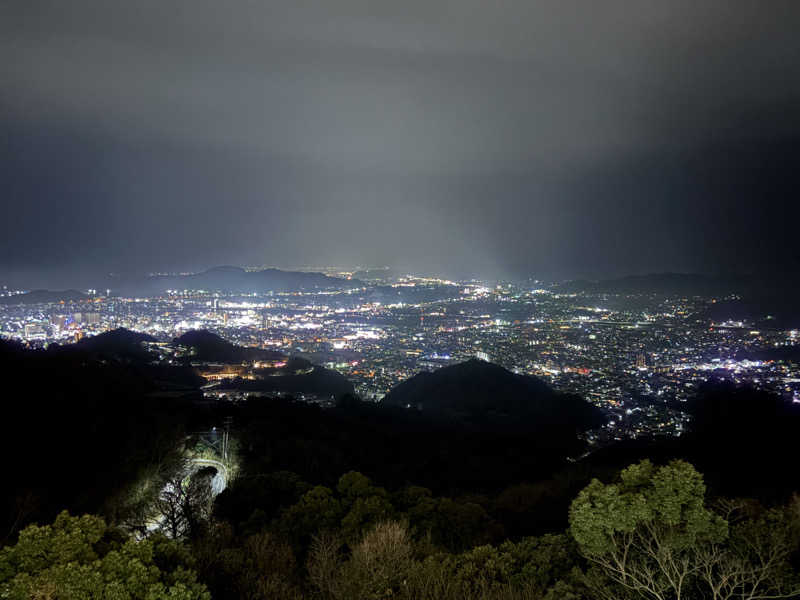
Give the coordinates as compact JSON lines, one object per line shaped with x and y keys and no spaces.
{"x":481,"y":392}
{"x":207,"y":346}
{"x":44,"y":297}
{"x":119,"y":342}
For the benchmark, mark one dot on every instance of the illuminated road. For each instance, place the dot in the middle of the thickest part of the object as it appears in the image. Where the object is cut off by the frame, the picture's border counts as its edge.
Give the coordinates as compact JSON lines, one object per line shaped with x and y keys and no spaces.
{"x":218,"y":483}
{"x":220,"y":480}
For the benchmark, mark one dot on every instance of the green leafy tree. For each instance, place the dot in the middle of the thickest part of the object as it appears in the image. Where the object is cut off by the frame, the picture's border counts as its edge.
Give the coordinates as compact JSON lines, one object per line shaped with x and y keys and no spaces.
{"x":268,"y":492}
{"x":460,"y":525}
{"x":80,"y":558}
{"x":258,"y":567}
{"x":643,"y":532}
{"x":419,"y":507}
{"x":651,"y":535}
{"x":354,"y":485}
{"x":364,"y":513}
{"x":755,"y":563}
{"x":318,"y":510}
{"x":365,"y":504}
{"x":482,"y":569}
{"x":532,"y":568}
{"x":540,"y":562}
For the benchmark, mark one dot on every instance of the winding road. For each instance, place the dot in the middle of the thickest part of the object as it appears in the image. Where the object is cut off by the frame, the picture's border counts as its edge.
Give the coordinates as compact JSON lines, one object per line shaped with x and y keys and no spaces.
{"x":220,"y":480}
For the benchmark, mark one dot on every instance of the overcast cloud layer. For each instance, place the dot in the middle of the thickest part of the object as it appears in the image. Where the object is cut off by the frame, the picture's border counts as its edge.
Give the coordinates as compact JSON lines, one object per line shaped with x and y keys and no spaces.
{"x":557,"y":139}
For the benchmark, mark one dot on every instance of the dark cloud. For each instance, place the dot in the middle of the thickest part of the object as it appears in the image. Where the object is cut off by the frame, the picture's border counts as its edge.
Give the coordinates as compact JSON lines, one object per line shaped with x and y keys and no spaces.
{"x":561,"y":138}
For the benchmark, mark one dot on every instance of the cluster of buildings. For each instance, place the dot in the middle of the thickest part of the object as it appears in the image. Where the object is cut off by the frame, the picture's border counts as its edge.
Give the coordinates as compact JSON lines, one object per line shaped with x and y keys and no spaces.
{"x":638,"y":356}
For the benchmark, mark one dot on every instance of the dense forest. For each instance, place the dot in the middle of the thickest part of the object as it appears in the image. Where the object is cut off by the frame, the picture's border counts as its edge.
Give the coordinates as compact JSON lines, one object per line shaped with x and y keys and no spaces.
{"x":378,"y":501}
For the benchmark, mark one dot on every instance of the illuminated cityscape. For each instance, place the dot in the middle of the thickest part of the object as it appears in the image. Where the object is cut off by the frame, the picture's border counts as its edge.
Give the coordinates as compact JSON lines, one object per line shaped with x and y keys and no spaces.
{"x":639,"y":357}
{"x":420,"y":300}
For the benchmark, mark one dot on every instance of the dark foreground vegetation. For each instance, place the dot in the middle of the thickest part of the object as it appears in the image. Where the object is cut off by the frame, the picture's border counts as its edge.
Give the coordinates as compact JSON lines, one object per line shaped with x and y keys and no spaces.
{"x":651,"y":533}
{"x":362,"y":501}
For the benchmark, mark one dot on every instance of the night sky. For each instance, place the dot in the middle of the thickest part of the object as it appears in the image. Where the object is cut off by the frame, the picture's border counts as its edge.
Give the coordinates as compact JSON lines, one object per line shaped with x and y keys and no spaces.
{"x":473,"y":137}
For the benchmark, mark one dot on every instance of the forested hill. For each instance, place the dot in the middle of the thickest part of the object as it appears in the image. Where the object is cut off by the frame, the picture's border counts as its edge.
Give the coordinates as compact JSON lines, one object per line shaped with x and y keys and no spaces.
{"x":207,"y":346}
{"x":338,"y":503}
{"x":44,"y":297}
{"x":83,"y":425}
{"x":478,"y":392}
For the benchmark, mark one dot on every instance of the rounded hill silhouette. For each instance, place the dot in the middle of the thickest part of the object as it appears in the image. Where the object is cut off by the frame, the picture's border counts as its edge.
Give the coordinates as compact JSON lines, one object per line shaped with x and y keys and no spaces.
{"x":481,"y":392}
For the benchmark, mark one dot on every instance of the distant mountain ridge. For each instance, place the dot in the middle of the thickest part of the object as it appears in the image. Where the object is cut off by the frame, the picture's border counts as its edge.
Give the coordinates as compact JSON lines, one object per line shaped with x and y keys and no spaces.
{"x":44,"y":297}
{"x":659,"y":283}
{"x":232,"y":279}
{"x":481,"y":392}
{"x":376,"y":273}
{"x":757,"y":284}
{"x":767,"y":299}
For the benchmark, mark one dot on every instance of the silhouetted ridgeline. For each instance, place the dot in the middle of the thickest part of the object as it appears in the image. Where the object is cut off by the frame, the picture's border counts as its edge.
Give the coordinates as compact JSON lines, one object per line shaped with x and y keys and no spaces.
{"x":376,"y":273}
{"x":312,"y":380}
{"x":689,"y":284}
{"x":82,"y":427}
{"x":479,"y":392}
{"x":207,"y":346}
{"x":768,"y":299}
{"x":230,"y":279}
{"x":120,"y":343}
{"x":470,"y":490}
{"x":44,"y":297}
{"x":763,"y":308}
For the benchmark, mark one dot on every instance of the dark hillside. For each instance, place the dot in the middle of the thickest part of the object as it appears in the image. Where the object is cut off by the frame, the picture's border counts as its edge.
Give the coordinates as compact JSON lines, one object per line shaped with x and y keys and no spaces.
{"x":207,"y":346}
{"x":479,"y":392}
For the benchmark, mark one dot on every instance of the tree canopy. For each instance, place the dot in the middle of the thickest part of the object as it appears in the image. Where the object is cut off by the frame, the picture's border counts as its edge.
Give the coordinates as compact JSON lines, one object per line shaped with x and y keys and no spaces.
{"x":81,"y":558}
{"x":652,"y":535}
